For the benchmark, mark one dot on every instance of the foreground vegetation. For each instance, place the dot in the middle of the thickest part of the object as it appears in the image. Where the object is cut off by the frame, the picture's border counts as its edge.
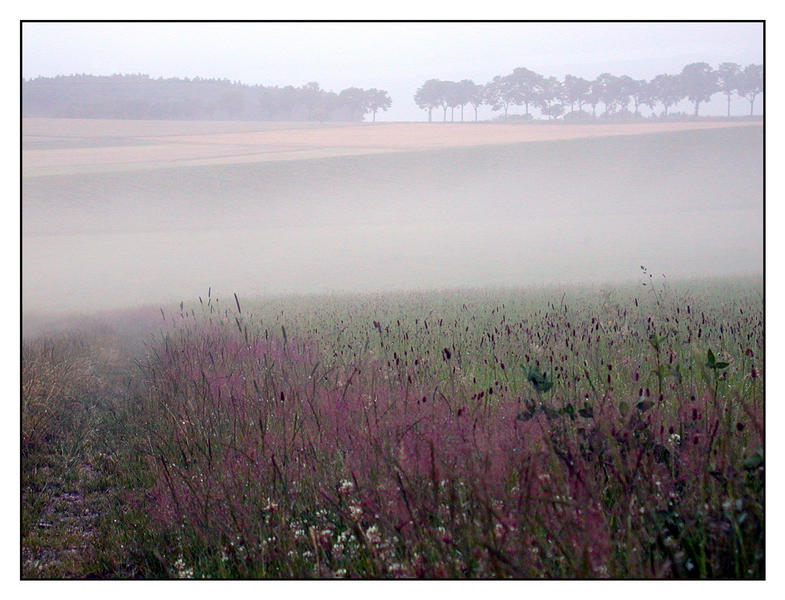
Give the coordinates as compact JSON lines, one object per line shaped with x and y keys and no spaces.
{"x":611,"y":433}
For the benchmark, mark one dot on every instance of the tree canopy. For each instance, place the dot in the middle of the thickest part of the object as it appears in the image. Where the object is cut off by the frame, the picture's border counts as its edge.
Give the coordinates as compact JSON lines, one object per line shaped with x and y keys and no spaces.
{"x":554,"y":98}
{"x":142,"y":97}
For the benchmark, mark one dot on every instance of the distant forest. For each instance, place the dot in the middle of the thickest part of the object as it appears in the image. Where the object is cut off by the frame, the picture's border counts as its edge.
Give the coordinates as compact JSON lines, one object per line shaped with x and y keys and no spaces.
{"x":139,"y":96}
{"x":142,"y":97}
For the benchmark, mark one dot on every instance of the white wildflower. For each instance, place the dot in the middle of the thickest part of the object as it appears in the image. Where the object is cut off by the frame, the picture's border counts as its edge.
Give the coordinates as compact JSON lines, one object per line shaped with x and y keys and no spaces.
{"x":373,"y":535}
{"x":182,"y":571}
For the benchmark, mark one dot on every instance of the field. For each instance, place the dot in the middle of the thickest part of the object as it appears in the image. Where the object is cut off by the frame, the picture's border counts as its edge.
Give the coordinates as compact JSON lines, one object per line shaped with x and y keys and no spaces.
{"x":545,"y":212}
{"x":61,"y":146}
{"x":398,"y":356}
{"x":553,"y":433}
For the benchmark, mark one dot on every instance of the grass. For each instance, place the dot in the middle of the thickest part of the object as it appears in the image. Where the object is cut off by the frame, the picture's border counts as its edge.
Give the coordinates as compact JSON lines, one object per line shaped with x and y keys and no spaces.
{"x":576,"y":433}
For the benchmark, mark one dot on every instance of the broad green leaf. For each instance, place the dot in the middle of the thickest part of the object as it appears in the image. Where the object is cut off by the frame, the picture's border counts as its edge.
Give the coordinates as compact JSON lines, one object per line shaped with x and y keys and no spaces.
{"x":710,"y":358}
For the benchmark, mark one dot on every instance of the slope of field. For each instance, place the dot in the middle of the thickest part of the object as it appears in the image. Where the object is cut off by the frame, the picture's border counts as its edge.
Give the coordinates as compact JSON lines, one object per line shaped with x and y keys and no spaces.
{"x":65,"y":146}
{"x":684,"y":203}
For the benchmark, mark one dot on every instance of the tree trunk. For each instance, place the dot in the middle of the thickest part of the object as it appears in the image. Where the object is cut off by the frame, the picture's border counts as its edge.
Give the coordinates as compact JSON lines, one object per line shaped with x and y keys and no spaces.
{"x":461,"y":113}
{"x":752,"y":103}
{"x":429,"y":115}
{"x":444,"y":119}
{"x":475,"y":113}
{"x":728,"y":105}
{"x":696,"y":107}
{"x":374,"y":116}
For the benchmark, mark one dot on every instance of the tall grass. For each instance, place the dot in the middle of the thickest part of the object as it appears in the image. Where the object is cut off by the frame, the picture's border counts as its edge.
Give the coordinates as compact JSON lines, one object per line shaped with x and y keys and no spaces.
{"x":469,"y":435}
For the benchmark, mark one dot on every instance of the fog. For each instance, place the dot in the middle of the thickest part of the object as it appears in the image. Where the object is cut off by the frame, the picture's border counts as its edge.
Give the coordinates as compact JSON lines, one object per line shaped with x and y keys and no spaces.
{"x":397,"y":57}
{"x":126,"y":212}
{"x":684,"y":203}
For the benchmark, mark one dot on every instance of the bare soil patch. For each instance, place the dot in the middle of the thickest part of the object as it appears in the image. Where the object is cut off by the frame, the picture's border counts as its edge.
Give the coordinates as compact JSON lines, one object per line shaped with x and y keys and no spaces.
{"x":131,"y":145}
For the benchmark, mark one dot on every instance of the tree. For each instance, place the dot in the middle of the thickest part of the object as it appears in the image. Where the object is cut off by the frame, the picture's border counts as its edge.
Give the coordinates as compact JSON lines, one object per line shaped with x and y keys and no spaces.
{"x":633,"y":89}
{"x":465,"y":91}
{"x":310,"y":95}
{"x":143,"y":97}
{"x":548,"y":93}
{"x":648,"y":94}
{"x":230,"y":103}
{"x":728,"y":75}
{"x":451,"y":92}
{"x":667,"y":90}
{"x":611,"y":92}
{"x":376,"y":100}
{"x":428,"y":96}
{"x":751,"y":83}
{"x":476,"y":95}
{"x":553,"y":111}
{"x":698,"y":82}
{"x":594,"y":96}
{"x":353,"y":100}
{"x":523,"y":87}
{"x":499,"y":93}
{"x":575,"y":90}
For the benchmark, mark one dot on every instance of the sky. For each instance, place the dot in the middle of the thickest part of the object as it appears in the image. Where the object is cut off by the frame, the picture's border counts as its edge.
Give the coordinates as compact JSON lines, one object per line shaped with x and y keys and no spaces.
{"x":397,"y":57}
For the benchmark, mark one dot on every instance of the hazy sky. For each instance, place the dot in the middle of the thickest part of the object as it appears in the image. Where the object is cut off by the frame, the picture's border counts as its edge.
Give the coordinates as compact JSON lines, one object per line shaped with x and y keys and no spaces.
{"x":397,"y":57}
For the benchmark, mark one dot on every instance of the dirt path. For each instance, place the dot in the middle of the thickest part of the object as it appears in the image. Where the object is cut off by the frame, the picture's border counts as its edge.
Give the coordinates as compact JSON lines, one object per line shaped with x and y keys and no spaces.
{"x":70,"y":492}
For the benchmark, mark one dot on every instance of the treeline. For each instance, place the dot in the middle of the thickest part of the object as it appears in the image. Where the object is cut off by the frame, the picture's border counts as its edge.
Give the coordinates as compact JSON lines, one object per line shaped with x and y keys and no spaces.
{"x":142,"y":97}
{"x":621,"y":96}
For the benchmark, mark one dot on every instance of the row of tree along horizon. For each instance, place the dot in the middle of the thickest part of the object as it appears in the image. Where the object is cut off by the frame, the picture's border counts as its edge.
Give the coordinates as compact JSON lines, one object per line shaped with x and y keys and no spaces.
{"x":556,"y":98}
{"x":139,"y":96}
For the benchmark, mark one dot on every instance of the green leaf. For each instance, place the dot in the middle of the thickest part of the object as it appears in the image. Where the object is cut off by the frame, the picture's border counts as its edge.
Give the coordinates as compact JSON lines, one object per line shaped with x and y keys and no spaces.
{"x":720,"y":365}
{"x":644,"y":405}
{"x":539,"y":380}
{"x":710,"y":360}
{"x":753,"y":462}
{"x":586,"y":413}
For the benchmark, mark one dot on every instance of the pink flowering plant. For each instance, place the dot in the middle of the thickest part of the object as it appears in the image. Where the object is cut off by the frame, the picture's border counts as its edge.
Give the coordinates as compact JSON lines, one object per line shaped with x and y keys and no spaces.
{"x":512,"y":438}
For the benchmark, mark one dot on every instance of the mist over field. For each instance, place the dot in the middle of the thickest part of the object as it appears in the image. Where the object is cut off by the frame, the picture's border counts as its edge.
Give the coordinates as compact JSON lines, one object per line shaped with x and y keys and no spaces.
{"x":392,"y":300}
{"x":684,"y":203}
